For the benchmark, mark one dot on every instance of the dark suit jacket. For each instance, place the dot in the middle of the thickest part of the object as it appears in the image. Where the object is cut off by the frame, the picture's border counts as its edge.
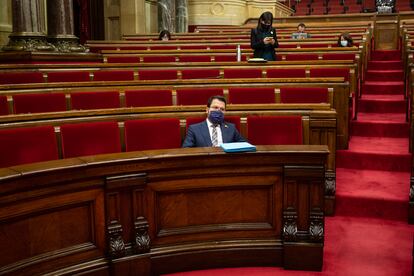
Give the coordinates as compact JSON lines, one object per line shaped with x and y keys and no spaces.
{"x":257,"y":44}
{"x":199,"y":136}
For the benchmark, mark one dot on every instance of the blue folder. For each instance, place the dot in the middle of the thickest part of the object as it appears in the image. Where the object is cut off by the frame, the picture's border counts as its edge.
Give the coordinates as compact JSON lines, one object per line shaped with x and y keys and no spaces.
{"x":238,"y":147}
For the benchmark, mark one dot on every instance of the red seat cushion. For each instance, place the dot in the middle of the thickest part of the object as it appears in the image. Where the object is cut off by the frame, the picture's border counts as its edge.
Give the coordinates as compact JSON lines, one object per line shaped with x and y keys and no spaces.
{"x":95,"y":100}
{"x":242,"y":73}
{"x":68,"y":76}
{"x":148,"y":98}
{"x":4,"y":109}
{"x":21,"y":77}
{"x":38,"y":102}
{"x":274,"y":130}
{"x":338,"y":56}
{"x":163,"y":47}
{"x":113,"y":75}
{"x":251,"y":95}
{"x":27,"y":145}
{"x":157,"y":74}
{"x":90,"y":139}
{"x":159,"y":58}
{"x":123,"y":59}
{"x":329,"y":72}
{"x":196,"y":96}
{"x":286,"y":73}
{"x":304,"y":95}
{"x":150,"y":134}
{"x":195,"y":58}
{"x":200,"y":74}
{"x":301,"y":57}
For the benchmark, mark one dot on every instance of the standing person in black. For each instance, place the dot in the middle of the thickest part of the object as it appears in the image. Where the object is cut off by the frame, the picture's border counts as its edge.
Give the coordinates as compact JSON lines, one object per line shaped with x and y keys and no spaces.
{"x":263,"y":39}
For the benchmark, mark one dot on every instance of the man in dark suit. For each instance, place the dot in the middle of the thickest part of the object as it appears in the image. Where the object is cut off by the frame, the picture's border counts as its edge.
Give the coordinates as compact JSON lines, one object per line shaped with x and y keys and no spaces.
{"x":214,"y":130}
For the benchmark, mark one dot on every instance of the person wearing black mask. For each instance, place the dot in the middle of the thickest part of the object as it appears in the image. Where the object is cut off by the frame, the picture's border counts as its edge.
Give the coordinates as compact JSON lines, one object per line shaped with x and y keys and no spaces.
{"x":214,"y":130}
{"x":263,"y":39}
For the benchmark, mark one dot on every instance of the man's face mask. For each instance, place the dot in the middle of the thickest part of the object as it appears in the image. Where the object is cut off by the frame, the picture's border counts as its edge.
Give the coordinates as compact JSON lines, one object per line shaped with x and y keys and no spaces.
{"x":216,"y":117}
{"x":344,"y":43}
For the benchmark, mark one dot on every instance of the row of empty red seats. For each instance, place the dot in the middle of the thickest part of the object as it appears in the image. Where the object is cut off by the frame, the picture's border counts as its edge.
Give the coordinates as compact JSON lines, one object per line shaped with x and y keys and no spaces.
{"x":53,"y":102}
{"x":170,"y":74}
{"x":36,"y":144}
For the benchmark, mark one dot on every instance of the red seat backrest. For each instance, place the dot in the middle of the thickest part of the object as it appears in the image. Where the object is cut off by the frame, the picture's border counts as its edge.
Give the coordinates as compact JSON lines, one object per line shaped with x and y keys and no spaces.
{"x":95,"y":100}
{"x":68,"y":76}
{"x":194,"y":58}
{"x":274,"y":130}
{"x":163,"y":47}
{"x":123,"y":59}
{"x":338,"y":56}
{"x":301,"y":57}
{"x":148,"y":98}
{"x":329,"y":72}
{"x":90,"y":139}
{"x":4,"y":109}
{"x":21,"y":77}
{"x":242,"y":73}
{"x":151,"y":134}
{"x":157,"y":74}
{"x":39,"y":102}
{"x":304,"y":95}
{"x":159,"y":59}
{"x":286,"y":73}
{"x":251,"y":95}
{"x":200,"y":74}
{"x":196,"y":96}
{"x":27,"y":145}
{"x":193,"y":47}
{"x":113,"y":75}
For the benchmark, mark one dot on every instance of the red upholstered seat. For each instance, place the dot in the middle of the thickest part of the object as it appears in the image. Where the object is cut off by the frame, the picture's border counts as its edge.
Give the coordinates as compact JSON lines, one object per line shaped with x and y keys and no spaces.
{"x":200,"y":74}
{"x":68,"y":76}
{"x":142,"y":48}
{"x":157,"y":74}
{"x":231,"y":73}
{"x":39,"y":102}
{"x":27,"y":145}
{"x":113,"y":75}
{"x":196,"y":96}
{"x":123,"y":59}
{"x":329,"y":72}
{"x":339,"y":56}
{"x":159,"y":58}
{"x":150,"y":134}
{"x":163,"y":47}
{"x":95,"y":100}
{"x":90,"y":139}
{"x":225,"y":58}
{"x":4,"y":109}
{"x":231,"y":119}
{"x":287,"y":45}
{"x":193,"y":47}
{"x":148,"y":98}
{"x":195,"y":58}
{"x":251,"y":95}
{"x":304,"y":95}
{"x":286,"y":73}
{"x":223,"y":47}
{"x":314,"y":45}
{"x":21,"y":77}
{"x":274,"y":130}
{"x":301,"y":57}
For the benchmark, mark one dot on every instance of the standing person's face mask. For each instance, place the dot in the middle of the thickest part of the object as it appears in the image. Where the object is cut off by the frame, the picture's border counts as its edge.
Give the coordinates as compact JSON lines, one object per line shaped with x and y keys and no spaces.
{"x":344,"y":43}
{"x":266,"y":26}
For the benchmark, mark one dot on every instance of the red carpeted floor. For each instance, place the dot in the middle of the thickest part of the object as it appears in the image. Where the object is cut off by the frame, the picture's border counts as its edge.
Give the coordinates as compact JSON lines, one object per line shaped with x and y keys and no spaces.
{"x":369,"y":234}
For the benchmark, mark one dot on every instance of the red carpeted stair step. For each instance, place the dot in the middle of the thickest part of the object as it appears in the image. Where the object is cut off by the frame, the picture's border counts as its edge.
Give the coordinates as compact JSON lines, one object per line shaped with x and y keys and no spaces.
{"x":375,"y":153}
{"x":383,"y":87}
{"x":380,"y":125}
{"x":371,"y":193}
{"x":384,"y":75}
{"x":382,"y":103}
{"x":385,"y":65}
{"x":386,"y":55}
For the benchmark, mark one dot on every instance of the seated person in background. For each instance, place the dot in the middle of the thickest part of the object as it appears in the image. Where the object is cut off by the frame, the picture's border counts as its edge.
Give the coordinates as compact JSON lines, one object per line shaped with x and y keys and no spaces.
{"x":345,"y":40}
{"x":214,"y":130}
{"x":301,"y":32}
{"x":164,"y":35}
{"x":263,"y":38}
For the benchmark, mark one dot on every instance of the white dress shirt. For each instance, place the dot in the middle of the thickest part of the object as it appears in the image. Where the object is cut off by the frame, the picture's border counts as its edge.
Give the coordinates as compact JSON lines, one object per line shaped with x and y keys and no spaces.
{"x":210,"y":130}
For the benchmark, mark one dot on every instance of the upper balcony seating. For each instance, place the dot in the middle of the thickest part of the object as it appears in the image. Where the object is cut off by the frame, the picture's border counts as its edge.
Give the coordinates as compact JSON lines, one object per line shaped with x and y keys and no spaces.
{"x":27,"y":145}
{"x":90,"y":139}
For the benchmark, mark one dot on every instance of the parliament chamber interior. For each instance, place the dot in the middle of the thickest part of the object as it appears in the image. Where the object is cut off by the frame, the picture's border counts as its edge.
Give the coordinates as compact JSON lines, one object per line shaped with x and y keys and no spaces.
{"x":97,"y":102}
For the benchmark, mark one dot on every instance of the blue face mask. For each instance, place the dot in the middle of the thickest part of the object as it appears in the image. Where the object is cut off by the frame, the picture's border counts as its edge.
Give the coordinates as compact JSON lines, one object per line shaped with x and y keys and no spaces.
{"x":216,"y":117}
{"x":344,"y":43}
